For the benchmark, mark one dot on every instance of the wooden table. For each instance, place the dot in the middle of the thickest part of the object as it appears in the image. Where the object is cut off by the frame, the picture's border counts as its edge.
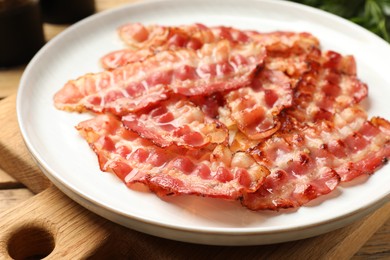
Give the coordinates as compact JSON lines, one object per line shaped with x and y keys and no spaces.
{"x":27,"y":199}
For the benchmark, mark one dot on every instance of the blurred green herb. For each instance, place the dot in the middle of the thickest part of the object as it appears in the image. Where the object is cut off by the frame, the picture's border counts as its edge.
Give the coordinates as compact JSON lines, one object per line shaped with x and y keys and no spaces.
{"x":374,"y":15}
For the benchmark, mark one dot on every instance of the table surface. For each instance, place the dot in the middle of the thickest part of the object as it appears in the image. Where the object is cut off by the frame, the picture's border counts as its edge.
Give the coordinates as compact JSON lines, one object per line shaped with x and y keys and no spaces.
{"x":13,"y":192}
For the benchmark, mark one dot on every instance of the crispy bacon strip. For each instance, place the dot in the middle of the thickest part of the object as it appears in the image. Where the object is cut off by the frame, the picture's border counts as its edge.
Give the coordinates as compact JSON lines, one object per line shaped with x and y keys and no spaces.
{"x":287,"y":51}
{"x":371,"y":147}
{"x":225,"y":66}
{"x":255,"y":108}
{"x":306,"y":159}
{"x":176,"y":121}
{"x":329,"y":87}
{"x":306,"y":162}
{"x":353,"y":145}
{"x":216,"y":67}
{"x":145,"y":41}
{"x":296,"y":175}
{"x":138,"y":36}
{"x":174,"y":170}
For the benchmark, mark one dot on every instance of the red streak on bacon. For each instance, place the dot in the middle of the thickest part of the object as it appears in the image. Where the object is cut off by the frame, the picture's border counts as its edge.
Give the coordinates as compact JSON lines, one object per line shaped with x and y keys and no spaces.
{"x":255,"y":108}
{"x":174,"y":170}
{"x":216,"y":67}
{"x":177,"y":122}
{"x":227,"y":66}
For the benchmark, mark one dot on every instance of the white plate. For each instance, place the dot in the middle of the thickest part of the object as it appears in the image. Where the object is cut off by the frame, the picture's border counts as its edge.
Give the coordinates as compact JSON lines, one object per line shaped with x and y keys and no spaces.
{"x":71,"y":165}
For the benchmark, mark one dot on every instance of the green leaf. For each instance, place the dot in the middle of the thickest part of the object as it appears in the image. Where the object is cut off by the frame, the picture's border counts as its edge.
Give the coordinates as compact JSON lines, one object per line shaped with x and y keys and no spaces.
{"x":374,"y":15}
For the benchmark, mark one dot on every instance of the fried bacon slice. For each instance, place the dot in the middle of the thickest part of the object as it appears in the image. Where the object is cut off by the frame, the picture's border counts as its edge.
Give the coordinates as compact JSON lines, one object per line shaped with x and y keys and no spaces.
{"x":309,"y":161}
{"x":287,"y":51}
{"x":176,"y":121}
{"x":353,"y":144}
{"x":328,"y":87}
{"x":173,"y":170}
{"x":215,"y":67}
{"x":371,"y":147}
{"x":255,"y":108}
{"x":224,"y":66}
{"x":138,"y":36}
{"x":145,"y":41}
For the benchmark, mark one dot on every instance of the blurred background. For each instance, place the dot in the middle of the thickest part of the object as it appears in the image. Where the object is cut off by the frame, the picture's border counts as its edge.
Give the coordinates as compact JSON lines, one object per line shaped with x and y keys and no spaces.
{"x":374,"y":15}
{"x":26,"y":21}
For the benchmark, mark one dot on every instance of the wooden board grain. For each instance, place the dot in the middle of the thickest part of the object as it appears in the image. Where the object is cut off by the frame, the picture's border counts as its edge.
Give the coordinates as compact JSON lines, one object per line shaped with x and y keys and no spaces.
{"x":76,"y":232}
{"x":11,"y":197}
{"x":378,"y":247}
{"x":80,"y":233}
{"x":15,"y":158}
{"x":6,"y":181}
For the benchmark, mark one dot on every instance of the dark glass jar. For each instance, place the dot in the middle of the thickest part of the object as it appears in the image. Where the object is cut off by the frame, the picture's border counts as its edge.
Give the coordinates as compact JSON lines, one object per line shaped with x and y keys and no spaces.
{"x":21,"y":31}
{"x":66,"y":11}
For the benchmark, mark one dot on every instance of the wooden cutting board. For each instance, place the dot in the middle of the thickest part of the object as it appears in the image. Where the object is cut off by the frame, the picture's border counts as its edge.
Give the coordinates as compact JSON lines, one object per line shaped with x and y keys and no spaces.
{"x":67,"y":230}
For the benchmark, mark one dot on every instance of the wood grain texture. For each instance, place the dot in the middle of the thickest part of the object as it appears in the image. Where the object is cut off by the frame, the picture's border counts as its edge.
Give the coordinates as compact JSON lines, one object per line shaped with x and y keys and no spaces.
{"x":378,"y":247}
{"x":11,"y":197}
{"x":7,"y":182}
{"x":79,"y":233}
{"x":76,"y":232}
{"x":15,"y":158}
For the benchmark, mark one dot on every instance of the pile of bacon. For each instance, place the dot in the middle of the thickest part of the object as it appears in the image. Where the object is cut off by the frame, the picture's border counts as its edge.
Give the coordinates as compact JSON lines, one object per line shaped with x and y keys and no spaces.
{"x":268,"y":119}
